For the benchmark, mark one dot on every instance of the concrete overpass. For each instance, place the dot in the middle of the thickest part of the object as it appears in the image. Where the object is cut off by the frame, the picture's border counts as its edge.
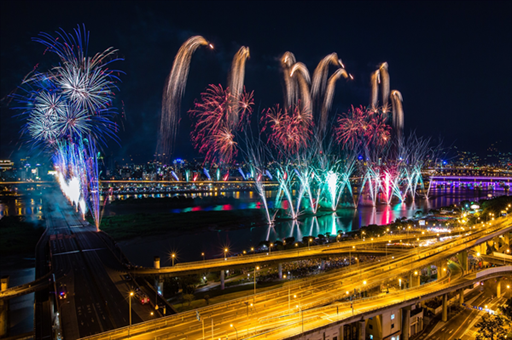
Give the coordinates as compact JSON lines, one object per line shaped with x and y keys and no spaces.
{"x":316,"y":302}
{"x":272,"y":257}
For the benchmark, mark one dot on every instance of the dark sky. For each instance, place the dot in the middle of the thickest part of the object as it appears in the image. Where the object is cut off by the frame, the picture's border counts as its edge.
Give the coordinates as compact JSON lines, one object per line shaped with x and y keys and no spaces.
{"x":452,"y":61}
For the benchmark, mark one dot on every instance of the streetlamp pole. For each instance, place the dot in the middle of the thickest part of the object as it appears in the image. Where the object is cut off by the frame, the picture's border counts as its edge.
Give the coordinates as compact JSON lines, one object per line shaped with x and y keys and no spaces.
{"x":173,"y":256}
{"x":225,"y":254}
{"x":130,"y":307}
{"x":204,"y":259}
{"x":236,"y":331}
{"x":255,"y":268}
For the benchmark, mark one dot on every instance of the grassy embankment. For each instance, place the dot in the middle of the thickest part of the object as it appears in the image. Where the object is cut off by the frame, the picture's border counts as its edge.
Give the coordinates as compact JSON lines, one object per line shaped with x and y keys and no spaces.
{"x":19,"y":236}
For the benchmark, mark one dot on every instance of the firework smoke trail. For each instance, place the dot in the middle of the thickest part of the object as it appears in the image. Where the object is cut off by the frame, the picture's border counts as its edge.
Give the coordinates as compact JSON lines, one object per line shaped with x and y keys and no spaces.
{"x":173,"y":92}
{"x":236,"y":82}
{"x":398,"y":113}
{"x":187,"y":175}
{"x":287,"y":61}
{"x":328,"y":97}
{"x":217,"y":174}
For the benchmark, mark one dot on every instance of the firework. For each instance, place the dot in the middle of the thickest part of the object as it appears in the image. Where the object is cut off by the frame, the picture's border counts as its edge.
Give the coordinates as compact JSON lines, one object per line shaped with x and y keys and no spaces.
{"x":236,"y":82}
{"x":329,"y":95}
{"x":398,"y":113}
{"x":69,"y":111}
{"x":362,"y":127}
{"x":212,"y":134}
{"x":318,"y":86}
{"x":303,"y":80}
{"x":173,"y":92}
{"x":288,"y":129}
{"x":287,"y":61}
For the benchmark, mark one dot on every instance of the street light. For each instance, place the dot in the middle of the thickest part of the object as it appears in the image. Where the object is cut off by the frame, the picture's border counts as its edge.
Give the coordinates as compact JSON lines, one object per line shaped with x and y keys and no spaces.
{"x":255,"y":269}
{"x":236,"y":331}
{"x":252,"y":249}
{"x":202,"y":254}
{"x":301,"y":315}
{"x":309,"y":242}
{"x":172,"y":257}
{"x":225,"y":254}
{"x":130,"y":307}
{"x":270,"y":249}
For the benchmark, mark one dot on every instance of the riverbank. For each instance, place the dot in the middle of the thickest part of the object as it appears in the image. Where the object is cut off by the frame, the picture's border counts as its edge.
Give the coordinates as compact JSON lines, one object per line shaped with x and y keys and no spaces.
{"x":18,"y":235}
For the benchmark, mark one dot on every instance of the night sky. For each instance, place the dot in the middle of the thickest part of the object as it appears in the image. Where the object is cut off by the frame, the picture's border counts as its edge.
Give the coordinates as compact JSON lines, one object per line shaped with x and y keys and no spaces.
{"x":452,"y":61}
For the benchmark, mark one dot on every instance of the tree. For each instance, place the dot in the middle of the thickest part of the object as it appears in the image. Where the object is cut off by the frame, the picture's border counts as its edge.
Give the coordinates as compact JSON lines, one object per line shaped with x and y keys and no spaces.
{"x":188,"y":298}
{"x":491,"y":327}
{"x":506,"y":309}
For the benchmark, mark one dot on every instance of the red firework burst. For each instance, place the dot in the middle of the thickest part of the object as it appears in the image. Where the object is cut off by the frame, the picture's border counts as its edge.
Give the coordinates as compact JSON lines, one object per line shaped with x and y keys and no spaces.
{"x":212,"y":134}
{"x":362,"y":127}
{"x":288,"y":129}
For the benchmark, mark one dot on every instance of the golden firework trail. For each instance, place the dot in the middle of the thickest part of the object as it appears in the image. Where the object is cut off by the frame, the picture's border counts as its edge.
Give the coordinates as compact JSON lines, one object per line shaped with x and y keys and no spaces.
{"x":173,"y":92}
{"x":236,"y":81}
{"x":329,"y":95}
{"x":375,"y":81}
{"x":320,"y":75}
{"x":287,"y":61}
{"x":398,"y":112}
{"x":384,"y":77}
{"x":302,"y":75}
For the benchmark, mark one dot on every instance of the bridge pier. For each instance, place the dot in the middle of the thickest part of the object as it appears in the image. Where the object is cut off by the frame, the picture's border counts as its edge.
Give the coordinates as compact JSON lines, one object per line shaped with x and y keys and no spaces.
{"x":498,"y":288}
{"x":463,"y":260}
{"x":406,"y":322}
{"x":414,"y":279}
{"x":342,"y":333}
{"x":159,"y":281}
{"x":444,"y":316}
{"x":362,"y":330}
{"x":461,"y":296}
{"x":222,"y":278}
{"x":442,"y":271}
{"x":4,"y":308}
{"x":280,"y":270}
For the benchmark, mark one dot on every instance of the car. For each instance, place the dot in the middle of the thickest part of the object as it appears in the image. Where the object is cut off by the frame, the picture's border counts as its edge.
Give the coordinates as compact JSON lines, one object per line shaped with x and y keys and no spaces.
{"x":143,"y":298}
{"x":63,"y":291}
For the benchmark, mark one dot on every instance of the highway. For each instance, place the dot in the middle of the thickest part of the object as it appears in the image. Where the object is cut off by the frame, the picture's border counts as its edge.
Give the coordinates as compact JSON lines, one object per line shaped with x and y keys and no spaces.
{"x":367,"y":246}
{"x":317,"y":301}
{"x":83,"y":263}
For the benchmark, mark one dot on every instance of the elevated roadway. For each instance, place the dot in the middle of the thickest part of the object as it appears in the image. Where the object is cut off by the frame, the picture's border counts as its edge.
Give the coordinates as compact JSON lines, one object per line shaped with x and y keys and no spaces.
{"x":367,"y":246}
{"x":318,"y":301}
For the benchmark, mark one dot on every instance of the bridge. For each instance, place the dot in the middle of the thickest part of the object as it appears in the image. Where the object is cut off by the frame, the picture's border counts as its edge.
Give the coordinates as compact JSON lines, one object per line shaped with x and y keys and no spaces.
{"x":376,"y":246}
{"x":318,"y":305}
